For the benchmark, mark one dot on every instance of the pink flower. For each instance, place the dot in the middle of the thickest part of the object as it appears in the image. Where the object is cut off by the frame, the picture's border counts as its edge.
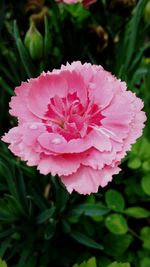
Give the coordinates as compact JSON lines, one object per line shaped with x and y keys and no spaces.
{"x":68,"y":1}
{"x":76,"y":122}
{"x":86,"y":3}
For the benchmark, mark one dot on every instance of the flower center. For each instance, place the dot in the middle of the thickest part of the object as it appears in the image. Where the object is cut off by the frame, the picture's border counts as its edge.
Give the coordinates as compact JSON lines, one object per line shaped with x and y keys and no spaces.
{"x":70,"y":118}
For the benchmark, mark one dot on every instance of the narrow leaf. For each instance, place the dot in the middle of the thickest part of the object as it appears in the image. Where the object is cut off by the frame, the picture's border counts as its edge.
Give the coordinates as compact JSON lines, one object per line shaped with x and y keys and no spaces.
{"x":45,"y":215}
{"x":25,"y":58}
{"x":85,"y":240}
{"x":89,"y":209}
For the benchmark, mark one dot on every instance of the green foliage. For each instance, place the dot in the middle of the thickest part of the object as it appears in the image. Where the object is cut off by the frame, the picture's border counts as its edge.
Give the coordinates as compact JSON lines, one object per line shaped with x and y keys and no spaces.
{"x":145,"y":236}
{"x":89,"y":209}
{"x":78,"y":13}
{"x":121,"y":244}
{"x":90,"y":263}
{"x":24,"y":56}
{"x":81,"y":238}
{"x":125,"y":63}
{"x":145,"y":262}
{"x":145,"y":182}
{"x":116,"y":264}
{"x":2,"y":263}
{"x":147,"y":12}
{"x":114,"y":200}
{"x":134,"y":163}
{"x":41,"y":224}
{"x":137,"y":212}
{"x":116,"y":224}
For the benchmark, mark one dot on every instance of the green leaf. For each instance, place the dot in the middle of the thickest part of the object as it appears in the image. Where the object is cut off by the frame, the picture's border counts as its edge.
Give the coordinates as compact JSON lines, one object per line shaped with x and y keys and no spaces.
{"x":14,"y":205}
{"x":88,"y":226}
{"x":4,"y":246}
{"x":145,"y":236}
{"x":121,"y":244}
{"x":83,"y":264}
{"x":91,"y":199}
{"x":134,"y":163}
{"x":66,"y":226}
{"x":116,"y":224}
{"x":38,"y":198}
{"x":146,"y":165}
{"x":47,"y":40}
{"x":77,"y":11}
{"x":89,"y":209}
{"x":31,"y":262}
{"x":8,"y":74}
{"x":25,"y":58}
{"x":50,"y":230}
{"x":85,"y":240}
{"x":11,"y":60}
{"x":137,"y":212}
{"x":3,"y":263}
{"x":114,"y":200}
{"x":8,"y":174}
{"x":119,"y":264}
{"x":61,"y":194}
{"x":22,"y":189}
{"x":138,"y":56}
{"x":6,"y":233}
{"x":147,"y":12}
{"x":103,"y":261}
{"x":9,"y":212}
{"x":128,"y":45}
{"x":6,"y":87}
{"x":145,"y":262}
{"x":142,"y":149}
{"x":45,"y":215}
{"x":24,"y":255}
{"x":91,"y":262}
{"x":145,"y":183}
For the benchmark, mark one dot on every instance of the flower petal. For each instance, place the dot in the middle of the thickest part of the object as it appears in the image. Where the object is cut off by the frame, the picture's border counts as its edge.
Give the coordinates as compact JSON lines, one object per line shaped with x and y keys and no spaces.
{"x":44,"y":88}
{"x":58,"y":144}
{"x":96,"y":159}
{"x":18,"y":104}
{"x":87,"y":180}
{"x":60,"y":165}
{"x":19,"y":148}
{"x":101,"y":89}
{"x":76,"y":85}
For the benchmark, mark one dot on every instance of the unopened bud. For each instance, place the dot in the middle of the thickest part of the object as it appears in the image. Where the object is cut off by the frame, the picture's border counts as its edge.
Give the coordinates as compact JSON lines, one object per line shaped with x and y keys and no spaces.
{"x":147,"y":12}
{"x":34,"y":42}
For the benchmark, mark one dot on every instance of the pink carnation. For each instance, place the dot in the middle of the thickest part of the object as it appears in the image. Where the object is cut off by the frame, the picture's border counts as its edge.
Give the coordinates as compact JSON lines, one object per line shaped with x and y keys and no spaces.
{"x":86,"y":3}
{"x":76,"y":122}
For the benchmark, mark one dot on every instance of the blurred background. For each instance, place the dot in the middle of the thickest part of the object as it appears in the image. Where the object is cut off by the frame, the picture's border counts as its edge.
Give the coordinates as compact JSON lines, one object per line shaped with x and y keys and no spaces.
{"x":41,"y":225}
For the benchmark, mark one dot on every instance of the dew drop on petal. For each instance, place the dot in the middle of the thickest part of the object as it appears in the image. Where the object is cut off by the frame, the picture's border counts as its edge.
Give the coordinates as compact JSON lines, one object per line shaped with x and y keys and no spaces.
{"x":33,"y":126}
{"x":56,"y":141}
